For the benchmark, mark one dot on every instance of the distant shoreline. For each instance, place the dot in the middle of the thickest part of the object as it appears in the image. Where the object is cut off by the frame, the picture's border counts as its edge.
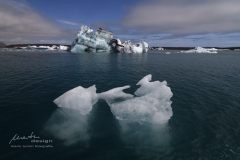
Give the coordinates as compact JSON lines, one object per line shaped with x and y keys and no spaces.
{"x":25,"y":45}
{"x":188,"y":48}
{"x":165,"y":48}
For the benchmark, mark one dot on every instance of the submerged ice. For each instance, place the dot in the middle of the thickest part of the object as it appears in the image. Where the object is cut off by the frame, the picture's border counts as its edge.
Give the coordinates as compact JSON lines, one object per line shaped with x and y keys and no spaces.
{"x":102,"y":41}
{"x":69,"y":126}
{"x":151,"y":103}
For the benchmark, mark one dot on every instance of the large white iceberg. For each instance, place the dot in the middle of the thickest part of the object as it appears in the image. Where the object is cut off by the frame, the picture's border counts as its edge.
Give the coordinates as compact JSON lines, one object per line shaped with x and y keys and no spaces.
{"x":102,"y":41}
{"x":151,"y":104}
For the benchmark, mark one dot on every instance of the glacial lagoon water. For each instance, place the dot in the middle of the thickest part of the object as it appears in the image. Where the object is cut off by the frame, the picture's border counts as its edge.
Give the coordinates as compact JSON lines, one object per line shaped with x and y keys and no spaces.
{"x":205,"y":106}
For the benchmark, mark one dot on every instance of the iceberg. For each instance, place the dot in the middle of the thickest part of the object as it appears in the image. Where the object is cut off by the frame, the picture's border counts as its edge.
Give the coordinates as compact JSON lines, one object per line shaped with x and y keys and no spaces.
{"x":103,"y":41}
{"x":212,"y":49}
{"x":79,"y":98}
{"x":38,"y":47}
{"x":63,"y":48}
{"x":201,"y":50}
{"x":151,"y":103}
{"x":157,"y":48}
{"x":48,"y":48}
{"x":142,"y":117}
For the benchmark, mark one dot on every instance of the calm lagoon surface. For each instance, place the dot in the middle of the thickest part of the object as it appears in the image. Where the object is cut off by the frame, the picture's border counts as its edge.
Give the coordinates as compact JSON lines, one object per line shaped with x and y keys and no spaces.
{"x":205,"y":104}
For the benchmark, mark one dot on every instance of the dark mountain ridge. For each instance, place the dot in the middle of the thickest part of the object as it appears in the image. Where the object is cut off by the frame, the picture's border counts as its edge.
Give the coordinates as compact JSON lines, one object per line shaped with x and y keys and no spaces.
{"x":2,"y":44}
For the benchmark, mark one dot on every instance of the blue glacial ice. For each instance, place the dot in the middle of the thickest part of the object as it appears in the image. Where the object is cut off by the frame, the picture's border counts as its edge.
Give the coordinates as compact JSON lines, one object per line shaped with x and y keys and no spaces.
{"x":103,"y":41}
{"x":151,"y":104}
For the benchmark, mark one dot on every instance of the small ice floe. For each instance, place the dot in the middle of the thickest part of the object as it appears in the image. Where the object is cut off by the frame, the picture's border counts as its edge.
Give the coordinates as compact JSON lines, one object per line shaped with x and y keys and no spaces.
{"x":201,"y":50}
{"x":157,"y":48}
{"x":63,"y":48}
{"x":48,"y":48}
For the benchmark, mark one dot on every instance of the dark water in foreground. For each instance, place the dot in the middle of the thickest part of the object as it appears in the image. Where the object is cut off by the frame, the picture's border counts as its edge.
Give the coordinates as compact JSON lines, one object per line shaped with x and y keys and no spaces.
{"x":205,"y":103}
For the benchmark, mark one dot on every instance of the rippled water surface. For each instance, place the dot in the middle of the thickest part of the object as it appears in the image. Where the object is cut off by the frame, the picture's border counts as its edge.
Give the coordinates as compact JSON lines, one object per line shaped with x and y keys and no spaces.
{"x":205,"y":103}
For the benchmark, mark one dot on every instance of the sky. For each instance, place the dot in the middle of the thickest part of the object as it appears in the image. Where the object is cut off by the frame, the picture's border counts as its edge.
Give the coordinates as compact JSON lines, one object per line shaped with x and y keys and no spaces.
{"x":158,"y":22}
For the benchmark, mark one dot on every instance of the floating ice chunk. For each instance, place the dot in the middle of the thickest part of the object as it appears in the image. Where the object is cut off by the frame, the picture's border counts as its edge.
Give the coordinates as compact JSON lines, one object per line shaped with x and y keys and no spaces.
{"x":201,"y":50}
{"x":83,"y":99}
{"x":114,"y":94}
{"x":63,"y":48}
{"x":136,"y":49}
{"x":147,"y":86}
{"x":152,"y":108}
{"x":144,"y":46}
{"x":154,"y":105}
{"x":78,"y":98}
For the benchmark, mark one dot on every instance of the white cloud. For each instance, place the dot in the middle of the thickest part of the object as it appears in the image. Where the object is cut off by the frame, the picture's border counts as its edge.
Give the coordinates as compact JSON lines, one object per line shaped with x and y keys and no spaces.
{"x":184,"y":16}
{"x":21,"y":24}
{"x":205,"y":40}
{"x":69,"y":23}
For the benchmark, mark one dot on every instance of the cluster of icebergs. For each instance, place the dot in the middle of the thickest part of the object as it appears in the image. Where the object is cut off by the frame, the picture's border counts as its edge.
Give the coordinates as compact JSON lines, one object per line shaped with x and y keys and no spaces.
{"x":54,"y":47}
{"x":151,"y":104}
{"x":157,"y":48}
{"x":102,"y":41}
{"x":201,"y":50}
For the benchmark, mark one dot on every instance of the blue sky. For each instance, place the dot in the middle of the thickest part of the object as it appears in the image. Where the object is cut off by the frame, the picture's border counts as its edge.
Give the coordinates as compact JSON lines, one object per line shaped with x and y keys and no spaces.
{"x":158,"y":22}
{"x":82,"y":11}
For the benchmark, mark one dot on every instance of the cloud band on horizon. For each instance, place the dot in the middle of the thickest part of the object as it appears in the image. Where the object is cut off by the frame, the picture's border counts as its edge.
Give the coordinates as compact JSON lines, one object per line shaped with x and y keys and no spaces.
{"x":184,"y":16}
